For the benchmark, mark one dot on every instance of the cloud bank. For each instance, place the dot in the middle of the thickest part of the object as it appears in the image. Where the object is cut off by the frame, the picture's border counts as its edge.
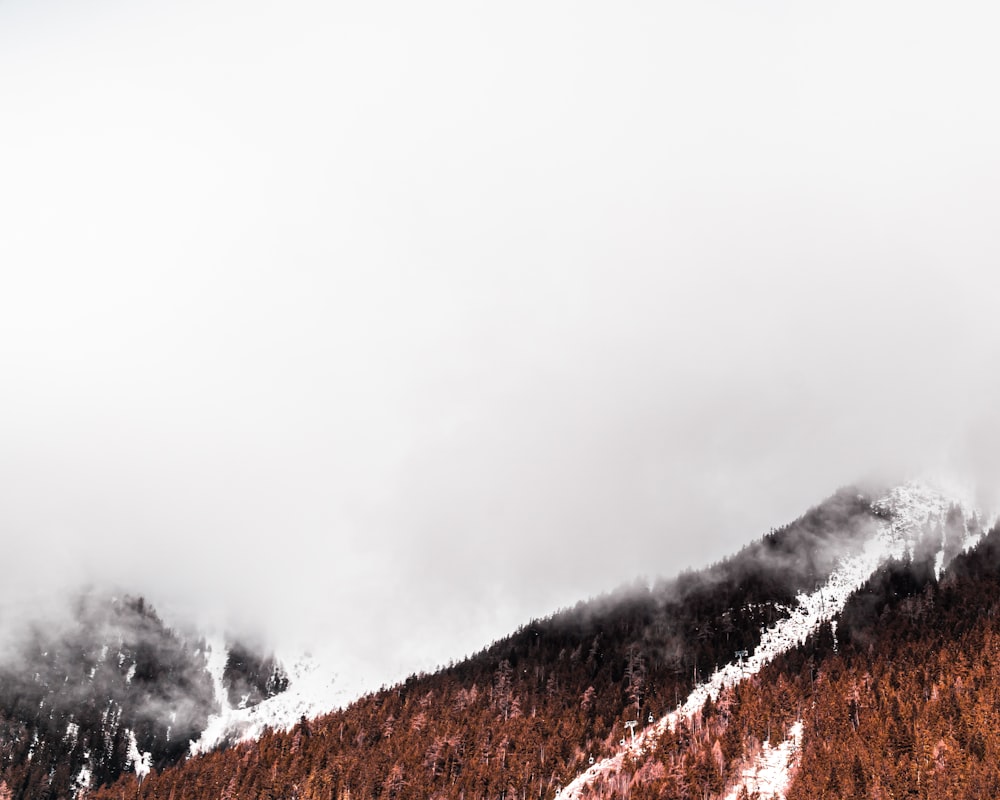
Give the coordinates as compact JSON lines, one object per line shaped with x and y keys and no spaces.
{"x":387,"y":329}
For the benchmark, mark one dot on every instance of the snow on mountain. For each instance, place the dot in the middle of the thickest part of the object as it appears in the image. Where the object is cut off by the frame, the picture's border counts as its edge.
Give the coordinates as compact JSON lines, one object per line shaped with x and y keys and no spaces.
{"x":216,"y":655}
{"x":312,"y":690}
{"x":81,"y":783}
{"x":908,"y":508}
{"x":139,"y":761}
{"x":913,"y":505}
{"x":771,"y":772}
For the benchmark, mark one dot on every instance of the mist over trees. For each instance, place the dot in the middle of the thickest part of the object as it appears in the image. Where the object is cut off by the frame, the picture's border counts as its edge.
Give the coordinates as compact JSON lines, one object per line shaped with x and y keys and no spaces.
{"x":86,"y":690}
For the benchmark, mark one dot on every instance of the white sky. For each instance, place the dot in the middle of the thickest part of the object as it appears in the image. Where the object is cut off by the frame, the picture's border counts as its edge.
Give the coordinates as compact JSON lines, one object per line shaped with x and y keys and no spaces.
{"x":391,"y":325}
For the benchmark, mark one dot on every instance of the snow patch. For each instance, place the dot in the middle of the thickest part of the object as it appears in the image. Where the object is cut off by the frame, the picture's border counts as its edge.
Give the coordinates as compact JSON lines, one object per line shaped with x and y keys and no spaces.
{"x":141,"y":762}
{"x":216,"y":656}
{"x":311,"y":691}
{"x":771,"y":771}
{"x":72,"y":731}
{"x":83,"y":778}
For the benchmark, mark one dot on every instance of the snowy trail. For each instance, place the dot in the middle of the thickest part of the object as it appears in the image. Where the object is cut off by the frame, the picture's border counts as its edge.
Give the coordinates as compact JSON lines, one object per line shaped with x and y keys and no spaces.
{"x":910,"y":506}
{"x":771,"y":773}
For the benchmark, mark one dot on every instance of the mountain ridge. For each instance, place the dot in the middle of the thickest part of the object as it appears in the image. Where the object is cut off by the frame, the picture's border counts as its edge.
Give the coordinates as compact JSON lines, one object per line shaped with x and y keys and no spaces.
{"x":540,"y":713}
{"x":551,"y":693}
{"x":111,"y":689}
{"x":908,"y":508}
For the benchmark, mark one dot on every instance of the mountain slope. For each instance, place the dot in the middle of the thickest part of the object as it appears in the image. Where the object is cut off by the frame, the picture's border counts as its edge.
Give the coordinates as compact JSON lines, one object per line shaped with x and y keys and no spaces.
{"x":524,"y":716}
{"x":109,"y":688}
{"x":917,"y":522}
{"x":729,"y":674}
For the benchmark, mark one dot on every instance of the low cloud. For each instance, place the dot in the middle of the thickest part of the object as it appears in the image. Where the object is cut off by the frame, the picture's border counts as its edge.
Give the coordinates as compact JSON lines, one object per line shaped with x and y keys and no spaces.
{"x":386,"y":338}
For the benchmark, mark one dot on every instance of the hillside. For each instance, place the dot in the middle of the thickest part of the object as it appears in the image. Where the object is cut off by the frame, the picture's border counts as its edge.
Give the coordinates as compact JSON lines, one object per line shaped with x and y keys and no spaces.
{"x":772,"y":672}
{"x":107,"y":688}
{"x":524,"y":715}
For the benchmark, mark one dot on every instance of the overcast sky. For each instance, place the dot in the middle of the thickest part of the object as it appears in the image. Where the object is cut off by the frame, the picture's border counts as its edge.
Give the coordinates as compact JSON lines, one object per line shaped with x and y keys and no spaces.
{"x":389,"y":326}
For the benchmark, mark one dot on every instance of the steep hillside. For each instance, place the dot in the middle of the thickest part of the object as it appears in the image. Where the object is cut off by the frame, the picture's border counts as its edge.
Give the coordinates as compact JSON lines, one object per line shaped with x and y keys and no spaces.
{"x":918,"y":524}
{"x":714,"y":743}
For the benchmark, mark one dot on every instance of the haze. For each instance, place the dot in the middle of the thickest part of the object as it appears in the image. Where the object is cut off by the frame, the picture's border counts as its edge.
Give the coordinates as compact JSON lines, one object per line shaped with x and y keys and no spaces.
{"x":385,"y":327}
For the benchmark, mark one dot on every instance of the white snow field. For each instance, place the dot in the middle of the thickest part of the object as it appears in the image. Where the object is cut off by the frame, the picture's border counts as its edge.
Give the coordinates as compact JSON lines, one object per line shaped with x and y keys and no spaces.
{"x":909,"y":506}
{"x":311,"y":691}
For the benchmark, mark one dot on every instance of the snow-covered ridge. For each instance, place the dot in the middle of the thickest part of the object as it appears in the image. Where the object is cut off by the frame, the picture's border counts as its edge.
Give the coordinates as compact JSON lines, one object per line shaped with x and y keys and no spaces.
{"x":908,"y":509}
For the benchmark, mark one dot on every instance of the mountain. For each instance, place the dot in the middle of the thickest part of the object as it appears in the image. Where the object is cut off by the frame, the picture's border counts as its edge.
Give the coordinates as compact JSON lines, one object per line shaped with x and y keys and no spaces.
{"x":109,"y":688}
{"x":852,"y":653}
